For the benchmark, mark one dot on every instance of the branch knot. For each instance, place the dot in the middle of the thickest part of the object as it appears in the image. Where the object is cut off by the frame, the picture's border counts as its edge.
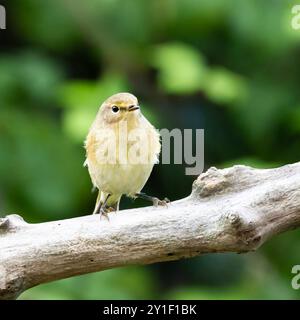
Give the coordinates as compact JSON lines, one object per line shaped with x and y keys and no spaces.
{"x":11,"y":222}
{"x":233,"y":219}
{"x":209,"y":183}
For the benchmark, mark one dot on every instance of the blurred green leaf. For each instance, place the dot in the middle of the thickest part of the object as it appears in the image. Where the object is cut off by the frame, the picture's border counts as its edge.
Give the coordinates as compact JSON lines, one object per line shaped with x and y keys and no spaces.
{"x":39,"y":167}
{"x":225,"y":87}
{"x":29,"y":78}
{"x":82,"y":99}
{"x":294,"y":119}
{"x":56,"y":30}
{"x":181,"y":68}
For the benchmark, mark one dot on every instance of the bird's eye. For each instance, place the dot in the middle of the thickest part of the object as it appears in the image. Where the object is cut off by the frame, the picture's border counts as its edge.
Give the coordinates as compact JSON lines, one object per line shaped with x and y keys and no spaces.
{"x":115,"y":109}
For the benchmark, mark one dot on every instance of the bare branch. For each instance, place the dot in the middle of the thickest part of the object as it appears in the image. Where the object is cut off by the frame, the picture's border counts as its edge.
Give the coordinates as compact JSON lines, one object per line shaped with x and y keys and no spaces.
{"x":230,"y":210}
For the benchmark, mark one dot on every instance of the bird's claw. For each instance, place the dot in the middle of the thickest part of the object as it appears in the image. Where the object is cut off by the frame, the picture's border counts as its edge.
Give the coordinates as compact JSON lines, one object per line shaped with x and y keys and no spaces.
{"x":157,"y":202}
{"x":104,"y":214}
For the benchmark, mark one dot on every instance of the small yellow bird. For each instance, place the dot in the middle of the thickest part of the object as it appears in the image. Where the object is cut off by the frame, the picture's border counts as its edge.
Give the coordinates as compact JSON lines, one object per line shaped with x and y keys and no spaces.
{"x":121,"y":150}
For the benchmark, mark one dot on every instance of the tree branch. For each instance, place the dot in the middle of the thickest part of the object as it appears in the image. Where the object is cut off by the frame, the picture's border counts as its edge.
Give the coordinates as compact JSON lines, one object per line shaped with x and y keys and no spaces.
{"x":230,"y":210}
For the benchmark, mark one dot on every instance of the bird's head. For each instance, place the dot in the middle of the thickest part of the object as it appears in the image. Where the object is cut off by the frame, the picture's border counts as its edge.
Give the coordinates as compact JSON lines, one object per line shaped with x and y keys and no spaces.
{"x":120,"y":106}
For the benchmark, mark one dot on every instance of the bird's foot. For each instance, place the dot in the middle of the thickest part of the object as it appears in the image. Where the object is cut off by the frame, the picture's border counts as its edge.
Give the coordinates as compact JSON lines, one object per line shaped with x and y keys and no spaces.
{"x":157,"y":202}
{"x":104,"y":213}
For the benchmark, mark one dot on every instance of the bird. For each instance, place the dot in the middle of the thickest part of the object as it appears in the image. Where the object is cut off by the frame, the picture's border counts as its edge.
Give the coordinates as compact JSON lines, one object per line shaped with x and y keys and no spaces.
{"x":122,"y":147}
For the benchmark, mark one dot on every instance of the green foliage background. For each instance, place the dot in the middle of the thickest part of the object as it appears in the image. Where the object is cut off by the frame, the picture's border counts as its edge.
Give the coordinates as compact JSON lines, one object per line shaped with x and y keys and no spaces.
{"x":230,"y":67}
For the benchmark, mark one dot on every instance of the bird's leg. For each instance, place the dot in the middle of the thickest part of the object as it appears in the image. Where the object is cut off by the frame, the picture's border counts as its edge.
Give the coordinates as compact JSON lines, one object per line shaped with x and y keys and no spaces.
{"x":103,"y":210}
{"x":156,"y":202}
{"x":98,"y":204}
{"x":114,"y":207}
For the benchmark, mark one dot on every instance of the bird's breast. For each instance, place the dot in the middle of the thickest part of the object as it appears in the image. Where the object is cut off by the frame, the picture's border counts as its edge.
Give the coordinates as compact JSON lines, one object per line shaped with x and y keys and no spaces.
{"x":121,"y":159}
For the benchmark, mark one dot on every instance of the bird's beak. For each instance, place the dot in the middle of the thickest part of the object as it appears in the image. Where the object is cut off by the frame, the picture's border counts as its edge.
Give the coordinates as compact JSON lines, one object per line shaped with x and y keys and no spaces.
{"x":132,"y":108}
